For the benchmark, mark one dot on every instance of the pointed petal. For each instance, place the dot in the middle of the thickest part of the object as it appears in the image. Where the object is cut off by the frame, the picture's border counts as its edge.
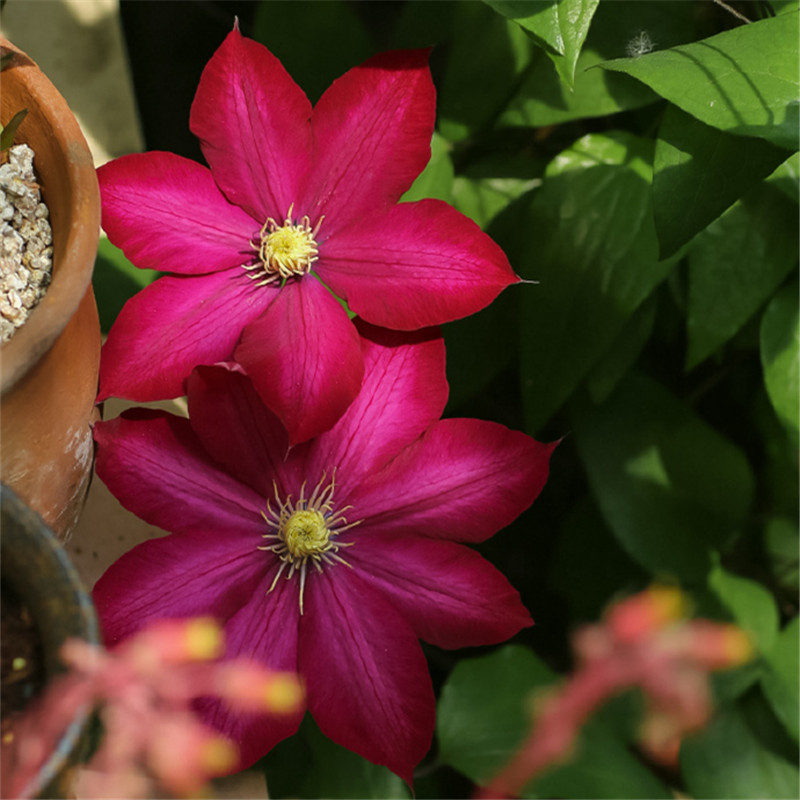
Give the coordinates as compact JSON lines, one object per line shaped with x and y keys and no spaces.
{"x":372,"y":134}
{"x":366,"y":677}
{"x":404,"y":392}
{"x":205,"y":573}
{"x":239,"y":432}
{"x":451,"y":596}
{"x":253,"y":122}
{"x":464,"y":480}
{"x":165,"y":212}
{"x":264,"y":629}
{"x":173,"y":325}
{"x":304,"y":358}
{"x":417,"y":264}
{"x":154,"y":465}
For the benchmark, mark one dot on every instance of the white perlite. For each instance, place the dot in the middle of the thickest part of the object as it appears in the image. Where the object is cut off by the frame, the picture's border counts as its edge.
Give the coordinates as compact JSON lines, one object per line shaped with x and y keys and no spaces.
{"x":26,"y":251}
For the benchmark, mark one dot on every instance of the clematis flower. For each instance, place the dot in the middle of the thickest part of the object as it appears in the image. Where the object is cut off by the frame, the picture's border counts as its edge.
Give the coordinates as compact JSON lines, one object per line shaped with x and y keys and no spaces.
{"x":296,"y":202}
{"x":331,"y":558}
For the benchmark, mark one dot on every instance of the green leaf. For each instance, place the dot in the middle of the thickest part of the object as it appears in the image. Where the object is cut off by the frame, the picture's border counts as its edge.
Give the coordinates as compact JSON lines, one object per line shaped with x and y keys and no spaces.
{"x":587,"y":555}
{"x":309,"y":765}
{"x":670,"y":487}
{"x":735,"y":266}
{"x":698,"y":172}
{"x":9,"y":131}
{"x":483,"y":715}
{"x":622,"y":355}
{"x":781,"y":540}
{"x":743,"y":81}
{"x":787,"y":178}
{"x":115,"y":280}
{"x":594,"y":251}
{"x":780,"y":356}
{"x":488,"y":185}
{"x":561,"y":26}
{"x":487,"y":53}
{"x":313,"y":54}
{"x":780,"y":680}
{"x":540,"y":18}
{"x":727,"y":761}
{"x":751,"y":605}
{"x":436,"y":180}
{"x":543,"y":99}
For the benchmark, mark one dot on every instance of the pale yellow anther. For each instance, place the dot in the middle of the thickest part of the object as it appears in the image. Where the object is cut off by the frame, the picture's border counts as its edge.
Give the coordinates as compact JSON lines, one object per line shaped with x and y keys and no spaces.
{"x":305,"y":534}
{"x":285,"y":250}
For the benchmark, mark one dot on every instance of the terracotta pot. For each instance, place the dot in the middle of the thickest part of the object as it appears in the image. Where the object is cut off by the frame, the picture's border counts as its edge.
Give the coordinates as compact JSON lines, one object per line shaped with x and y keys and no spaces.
{"x":37,"y":570}
{"x":48,"y":370}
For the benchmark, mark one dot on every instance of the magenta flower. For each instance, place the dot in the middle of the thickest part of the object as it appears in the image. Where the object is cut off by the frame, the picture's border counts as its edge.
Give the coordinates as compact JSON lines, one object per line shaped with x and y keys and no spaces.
{"x":330,"y":558}
{"x":294,"y":201}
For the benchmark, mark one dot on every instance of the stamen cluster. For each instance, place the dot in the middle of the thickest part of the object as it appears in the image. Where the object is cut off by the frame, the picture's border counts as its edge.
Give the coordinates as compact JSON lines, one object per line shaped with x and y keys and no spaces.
{"x":304,"y":531}
{"x":284,"y":250}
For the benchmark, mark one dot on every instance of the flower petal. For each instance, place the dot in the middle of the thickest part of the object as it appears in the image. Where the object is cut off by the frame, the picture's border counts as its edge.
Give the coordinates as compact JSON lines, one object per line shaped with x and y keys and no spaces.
{"x":173,"y":325}
{"x":304,"y":358}
{"x":265,"y":629}
{"x":154,"y":465}
{"x":404,"y":392}
{"x":239,"y":432}
{"x":464,"y":480}
{"x":205,"y":573}
{"x":372,"y":134}
{"x":451,"y":596}
{"x":415,"y":265}
{"x":165,"y":212}
{"x":367,"y":680}
{"x":253,"y":122}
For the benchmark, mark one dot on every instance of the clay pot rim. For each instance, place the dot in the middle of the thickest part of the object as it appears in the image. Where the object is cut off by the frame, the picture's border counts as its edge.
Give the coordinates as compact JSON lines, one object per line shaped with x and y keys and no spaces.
{"x":68,"y":286}
{"x":28,"y":547}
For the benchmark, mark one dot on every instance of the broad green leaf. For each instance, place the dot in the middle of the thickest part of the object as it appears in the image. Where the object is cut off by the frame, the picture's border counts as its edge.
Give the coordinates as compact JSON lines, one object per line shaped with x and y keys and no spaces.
{"x":782,"y":545}
{"x":782,"y":677}
{"x":594,"y":251}
{"x":735,"y":266}
{"x":787,"y":177}
{"x":670,"y":487}
{"x":621,"y":356}
{"x":488,"y":185}
{"x":589,"y":567}
{"x":483,"y":715}
{"x":561,"y":26}
{"x":743,"y":81}
{"x":780,"y":356}
{"x":487,"y":54}
{"x":728,"y":762}
{"x":751,"y":605}
{"x":115,"y":280}
{"x":309,"y":765}
{"x":543,"y":99}
{"x":538,"y":17}
{"x":698,"y":172}
{"x":436,"y":180}
{"x":313,"y":54}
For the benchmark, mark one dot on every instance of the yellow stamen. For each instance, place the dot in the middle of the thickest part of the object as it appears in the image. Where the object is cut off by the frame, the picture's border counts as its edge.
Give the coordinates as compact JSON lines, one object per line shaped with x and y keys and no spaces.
{"x":284,"y":250}
{"x":305,"y":532}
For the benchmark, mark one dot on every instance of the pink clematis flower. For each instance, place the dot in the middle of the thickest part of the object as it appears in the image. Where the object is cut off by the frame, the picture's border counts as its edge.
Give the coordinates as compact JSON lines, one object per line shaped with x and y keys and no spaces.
{"x":296,"y":201}
{"x":330,"y":558}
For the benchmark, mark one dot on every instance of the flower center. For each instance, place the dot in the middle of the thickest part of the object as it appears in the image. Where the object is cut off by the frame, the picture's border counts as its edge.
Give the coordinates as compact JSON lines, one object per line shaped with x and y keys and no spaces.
{"x":305,"y":532}
{"x":284,"y":251}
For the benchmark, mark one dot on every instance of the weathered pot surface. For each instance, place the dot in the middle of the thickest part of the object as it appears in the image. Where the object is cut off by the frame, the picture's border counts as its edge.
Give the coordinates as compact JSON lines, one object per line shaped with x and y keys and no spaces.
{"x":48,"y":370}
{"x":36,"y":568}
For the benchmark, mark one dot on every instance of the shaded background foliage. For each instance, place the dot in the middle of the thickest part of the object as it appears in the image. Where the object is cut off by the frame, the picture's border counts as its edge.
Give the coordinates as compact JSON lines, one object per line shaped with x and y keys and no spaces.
{"x":655,"y":200}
